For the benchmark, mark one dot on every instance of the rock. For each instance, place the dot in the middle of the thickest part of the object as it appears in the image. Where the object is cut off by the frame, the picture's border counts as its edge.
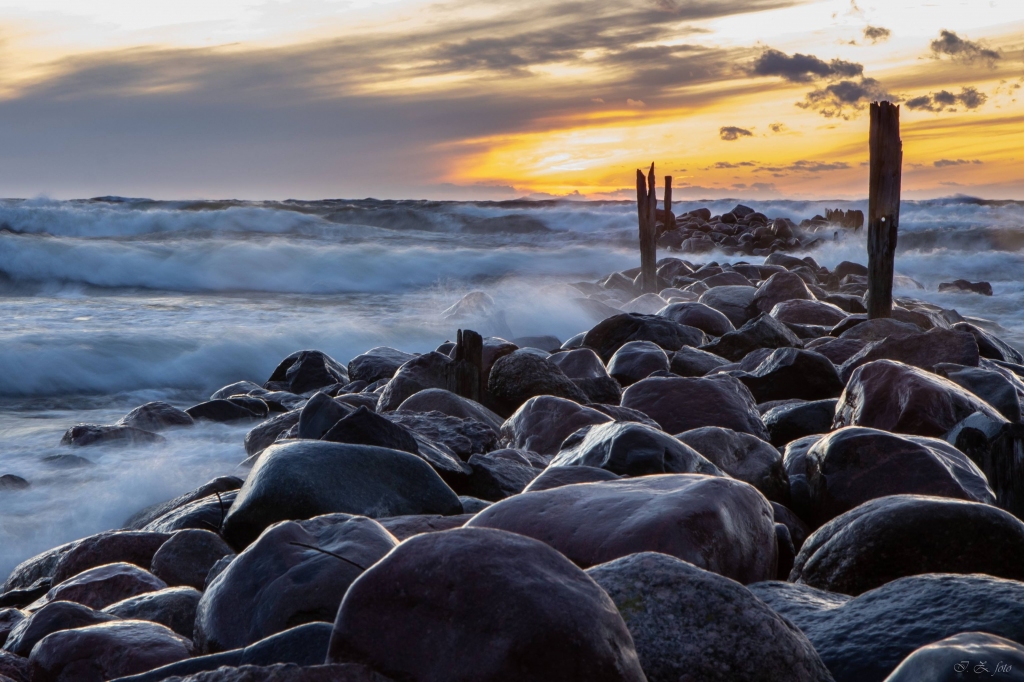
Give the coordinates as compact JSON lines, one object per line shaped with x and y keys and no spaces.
{"x":239,"y":388}
{"x":900,"y":535}
{"x":319,"y":415}
{"x":9,"y":619}
{"x":12,"y":482}
{"x":631,"y":449}
{"x":732,"y":302}
{"x":542,"y":423}
{"x":923,"y":350}
{"x":864,"y":639}
{"x":848,"y":268}
{"x":53,"y":617}
{"x":446,"y":402}
{"x":347,"y":672}
{"x":218,"y":485}
{"x":307,"y":370}
{"x":465,"y":437}
{"x":837,"y":350}
{"x":66,"y":462}
{"x":586,"y":370}
{"x":624,"y":414}
{"x":133,"y":547}
{"x":716,"y":523}
{"x":805,"y":311}
{"x":519,"y":376}
{"x":556,"y":477}
{"x":764,"y":331}
{"x":263,"y":436}
{"x":174,"y":607}
{"x":679,"y":404}
{"x":303,"y":479}
{"x":81,"y":435}
{"x":780,"y":287}
{"x":983,"y":288}
{"x":786,"y":261}
{"x":991,"y":386}
{"x":364,"y":427}
{"x":742,"y":456}
{"x":637,"y":360}
{"x":892,"y":396}
{"x":103,"y":652}
{"x":994,"y":445}
{"x":404,"y":527}
{"x":613,"y":333}
{"x":429,"y":370}
{"x":699,"y":316}
{"x":693,"y":362}
{"x":499,"y":474}
{"x":645,"y":304}
{"x":435,"y":629}
{"x":227,"y":410}
{"x":990,"y":346}
{"x":377,"y":363}
{"x":859,"y":328}
{"x":548,"y":344}
{"x":727,"y":278}
{"x":156,"y":416}
{"x":793,"y":373}
{"x":688,"y":623}
{"x":100,"y":587}
{"x":296,"y":572}
{"x":206,"y":513}
{"x":187,"y":557}
{"x":965,"y":656}
{"x":787,"y":423}
{"x":846,"y":302}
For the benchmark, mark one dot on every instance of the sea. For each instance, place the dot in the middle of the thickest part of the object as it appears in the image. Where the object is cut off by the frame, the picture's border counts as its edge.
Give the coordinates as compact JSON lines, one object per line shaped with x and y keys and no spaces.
{"x":112,"y":302}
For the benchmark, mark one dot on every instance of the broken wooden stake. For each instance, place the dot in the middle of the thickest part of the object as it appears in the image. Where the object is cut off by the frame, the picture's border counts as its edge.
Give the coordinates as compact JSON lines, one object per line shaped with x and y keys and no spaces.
{"x":647,"y":212}
{"x":464,"y":374}
{"x":883,"y":205}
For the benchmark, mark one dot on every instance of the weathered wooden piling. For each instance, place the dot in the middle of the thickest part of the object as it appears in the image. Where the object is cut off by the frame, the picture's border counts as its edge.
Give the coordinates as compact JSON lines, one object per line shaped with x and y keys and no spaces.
{"x":647,"y":210}
{"x":883,"y":205}
{"x":465,"y":373}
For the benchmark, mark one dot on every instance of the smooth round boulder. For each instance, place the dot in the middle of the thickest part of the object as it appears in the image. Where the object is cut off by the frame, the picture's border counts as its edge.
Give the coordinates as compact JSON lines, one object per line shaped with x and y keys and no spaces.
{"x":924,"y":350}
{"x":791,"y":421}
{"x":296,"y":572}
{"x":556,"y":477}
{"x":429,"y":370}
{"x":480,"y":605}
{"x":764,"y":331}
{"x":632,"y":449}
{"x":55,"y":616}
{"x":303,"y":479}
{"x":789,"y":373}
{"x":307,"y":370}
{"x":807,"y":311}
{"x":144,"y":517}
{"x":498,"y":474}
{"x":780,"y":287}
{"x":264,"y":434}
{"x":464,"y":437}
{"x":543,"y":422}
{"x":731,"y":301}
{"x":699,"y":316}
{"x":404,"y":527}
{"x":83,"y":435}
{"x":187,"y":557}
{"x":647,"y":304}
{"x":990,"y":346}
{"x":967,"y":656}
{"x":102,"y":652}
{"x":100,"y":587}
{"x":613,"y":333}
{"x":742,"y":456}
{"x":900,"y":535}
{"x":718,"y":524}
{"x":688,"y":623}
{"x":376,"y":364}
{"x":860,"y":328}
{"x":693,"y":362}
{"x":174,"y":607}
{"x":451,"y":404}
{"x":319,"y":414}
{"x":365,"y":427}
{"x":998,"y":390}
{"x":519,"y":376}
{"x":156,"y":416}
{"x":679,"y":404}
{"x":132,"y":547}
{"x":637,"y":360}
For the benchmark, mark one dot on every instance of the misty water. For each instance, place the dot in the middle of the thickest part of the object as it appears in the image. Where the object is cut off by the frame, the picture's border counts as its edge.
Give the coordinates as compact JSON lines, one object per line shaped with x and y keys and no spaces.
{"x":107,"y":304}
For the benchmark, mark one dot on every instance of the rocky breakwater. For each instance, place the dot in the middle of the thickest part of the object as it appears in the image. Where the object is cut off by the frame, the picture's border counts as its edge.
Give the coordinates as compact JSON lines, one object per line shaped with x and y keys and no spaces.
{"x":741,"y":478}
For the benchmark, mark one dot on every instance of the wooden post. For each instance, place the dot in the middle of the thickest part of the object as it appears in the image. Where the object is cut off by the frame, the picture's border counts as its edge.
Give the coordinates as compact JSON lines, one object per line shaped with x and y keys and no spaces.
{"x":668,"y":199}
{"x":464,"y":377}
{"x":647,"y":211}
{"x":883,"y":205}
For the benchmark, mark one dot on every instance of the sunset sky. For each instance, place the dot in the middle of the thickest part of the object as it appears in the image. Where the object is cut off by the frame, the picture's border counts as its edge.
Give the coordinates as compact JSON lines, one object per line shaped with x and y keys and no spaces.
{"x":496,"y":99}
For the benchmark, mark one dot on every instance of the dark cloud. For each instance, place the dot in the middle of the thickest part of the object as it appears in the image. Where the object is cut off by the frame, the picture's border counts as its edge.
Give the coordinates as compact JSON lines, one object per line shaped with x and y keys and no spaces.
{"x":777,"y":127}
{"x":944,"y":163}
{"x":877,"y":34}
{"x":725,"y":165}
{"x":732,"y":133}
{"x":802,"y":68}
{"x":845,"y":98}
{"x":943,"y":100}
{"x":806,"y":167}
{"x":964,"y":51}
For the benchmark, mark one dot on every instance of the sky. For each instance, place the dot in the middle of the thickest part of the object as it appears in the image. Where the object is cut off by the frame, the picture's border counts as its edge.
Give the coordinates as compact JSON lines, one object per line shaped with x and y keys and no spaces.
{"x":497,"y":99}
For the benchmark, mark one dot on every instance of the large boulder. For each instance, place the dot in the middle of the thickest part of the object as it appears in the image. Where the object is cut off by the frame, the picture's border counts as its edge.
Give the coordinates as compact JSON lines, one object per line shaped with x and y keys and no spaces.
{"x":429,"y":370}
{"x":480,"y":605}
{"x":698,"y":315}
{"x":716,"y":523}
{"x":556,"y":477}
{"x":859,"y":328}
{"x":133,"y":547}
{"x":836,"y":350}
{"x":637,"y":360}
{"x":55,"y":616}
{"x":731,"y":301}
{"x":303,"y":479}
{"x":923,"y":350}
{"x":499,"y":474}
{"x":613,"y":333}
{"x":793,"y":373}
{"x":632,"y":449}
{"x":693,"y":362}
{"x":282,"y":672}
{"x":451,"y":404}
{"x":780,"y":287}
{"x":365,"y":427}
{"x":187,"y":557}
{"x":102,"y":652}
{"x":404,"y":527}
{"x":174,"y":607}
{"x":688,"y":623}
{"x":995,"y":446}
{"x":892,"y":396}
{"x":100,"y":587}
{"x":863,"y":639}
{"x":205,"y":513}
{"x":901,"y":535}
{"x":989,"y":345}
{"x":679,"y":404}
{"x":263,"y":435}
{"x":967,"y":656}
{"x":519,"y":376}
{"x":790,"y":421}
{"x":542,"y":423}
{"x":156,"y":416}
{"x":221,"y":484}
{"x":464,"y":437}
{"x":82,"y":435}
{"x":848,"y":467}
{"x":307,"y":370}
{"x":764,"y":331}
{"x":229,"y":410}
{"x":295,"y":572}
{"x":376,"y":364}
{"x":319,"y":414}
{"x":806,"y":311}
{"x":995,"y":388}
{"x":742,"y":456}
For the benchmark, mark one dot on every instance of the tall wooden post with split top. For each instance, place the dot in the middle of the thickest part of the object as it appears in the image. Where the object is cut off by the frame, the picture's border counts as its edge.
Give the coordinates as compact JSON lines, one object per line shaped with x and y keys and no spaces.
{"x":883,"y":205}
{"x":647,"y":208}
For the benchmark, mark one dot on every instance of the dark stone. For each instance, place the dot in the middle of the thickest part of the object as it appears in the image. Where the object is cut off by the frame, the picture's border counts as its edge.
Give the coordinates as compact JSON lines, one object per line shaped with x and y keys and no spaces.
{"x":989,"y":345}
{"x":149,"y":514}
{"x":991,"y":386}
{"x":364,"y":427}
{"x":798,"y":530}
{"x":307,"y":370}
{"x":631,"y":449}
{"x":499,"y":474}
{"x":206,"y":513}
{"x":923,"y":350}
{"x":429,"y":370}
{"x":699,"y":316}
{"x":580,"y":363}
{"x":545,"y":343}
{"x":239,"y":388}
{"x":848,"y":268}
{"x":319,"y":414}
{"x":997,"y":447}
{"x":102,"y":652}
{"x":303,"y":479}
{"x":801,"y":311}
{"x":55,"y":616}
{"x":859,"y":328}
{"x":223,"y":411}
{"x":611,"y":334}
{"x":967,"y":656}
{"x":733,"y":302}
{"x":263,"y":436}
{"x":716,"y":523}
{"x":67,"y":461}
{"x":133,"y":547}
{"x":764,"y":331}
{"x":446,"y":402}
{"x":255,"y":405}
{"x":600,"y":390}
{"x":377,"y":363}
{"x":693,"y":362}
{"x":556,"y":477}
{"x":174,"y":607}
{"x":730,"y":635}
{"x":542,"y":423}
{"x":295,"y":573}
{"x":727,"y":278}
{"x":983,"y":288}
{"x":12,"y":482}
{"x":637,"y":360}
{"x":787,"y":423}
{"x":9,"y":619}
{"x":900,"y":535}
{"x":742,"y":456}
{"x":793,"y":373}
{"x":187,"y":557}
{"x":837,"y":350}
{"x":347,"y":672}
{"x":624,"y":414}
{"x":849,"y":303}
{"x":519,"y":376}
{"x":784,"y":260}
{"x":469,"y":610}
{"x":891,"y":396}
{"x":100,"y":587}
{"x":465,"y":437}
{"x":679,"y":404}
{"x":404,"y":527}
{"x":780,"y":287}
{"x":81,"y":435}
{"x":155,"y":416}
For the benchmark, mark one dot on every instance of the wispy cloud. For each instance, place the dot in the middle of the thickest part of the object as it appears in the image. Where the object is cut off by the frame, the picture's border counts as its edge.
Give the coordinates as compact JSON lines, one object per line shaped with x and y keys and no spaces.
{"x":732,"y":133}
{"x":949,"y":44}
